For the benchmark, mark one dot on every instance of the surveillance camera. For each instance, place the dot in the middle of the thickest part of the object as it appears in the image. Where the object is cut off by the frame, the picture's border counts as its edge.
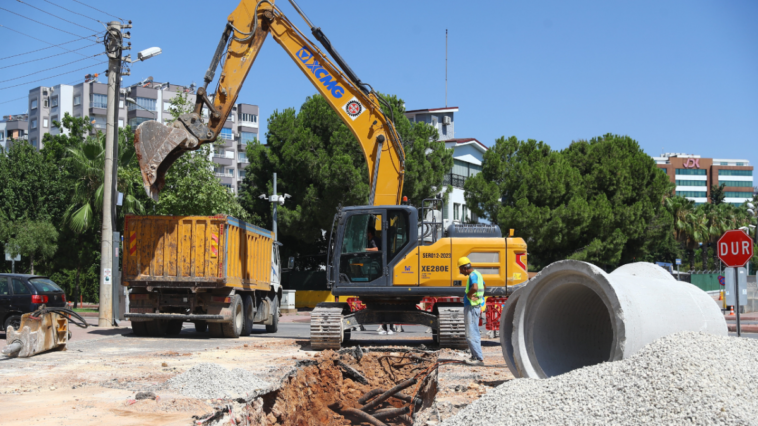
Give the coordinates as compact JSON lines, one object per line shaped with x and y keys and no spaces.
{"x":263,"y":197}
{"x":149,"y":53}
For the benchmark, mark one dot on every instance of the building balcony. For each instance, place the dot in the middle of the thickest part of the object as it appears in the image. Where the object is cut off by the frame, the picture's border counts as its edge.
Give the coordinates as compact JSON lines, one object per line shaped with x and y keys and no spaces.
{"x":452,"y":179}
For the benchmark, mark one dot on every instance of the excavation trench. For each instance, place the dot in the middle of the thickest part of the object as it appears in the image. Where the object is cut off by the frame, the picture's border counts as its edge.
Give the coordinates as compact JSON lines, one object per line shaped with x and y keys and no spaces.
{"x":349,"y":387}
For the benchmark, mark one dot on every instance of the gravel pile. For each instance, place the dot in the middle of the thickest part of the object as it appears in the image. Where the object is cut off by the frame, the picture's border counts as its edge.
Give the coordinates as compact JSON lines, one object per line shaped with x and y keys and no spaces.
{"x":685,"y":378}
{"x":206,"y":381}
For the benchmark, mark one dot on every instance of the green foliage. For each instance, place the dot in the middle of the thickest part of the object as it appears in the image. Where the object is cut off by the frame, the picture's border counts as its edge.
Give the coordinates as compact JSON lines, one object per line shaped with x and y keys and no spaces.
{"x":595,"y":201}
{"x":321,"y":165}
{"x":718,"y":194}
{"x":35,"y":240}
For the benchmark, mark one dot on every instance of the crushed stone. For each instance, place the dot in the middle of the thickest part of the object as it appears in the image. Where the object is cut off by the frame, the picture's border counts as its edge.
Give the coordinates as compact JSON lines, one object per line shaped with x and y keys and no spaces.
{"x":210,"y":381}
{"x":685,"y":378}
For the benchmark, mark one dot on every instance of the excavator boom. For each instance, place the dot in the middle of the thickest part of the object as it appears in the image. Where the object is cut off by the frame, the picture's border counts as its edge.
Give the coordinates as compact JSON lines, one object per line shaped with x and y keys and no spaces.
{"x":359,"y":107}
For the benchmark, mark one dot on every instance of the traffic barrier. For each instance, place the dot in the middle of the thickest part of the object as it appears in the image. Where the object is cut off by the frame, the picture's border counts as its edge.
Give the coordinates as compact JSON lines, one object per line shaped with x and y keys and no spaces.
{"x":573,"y":314}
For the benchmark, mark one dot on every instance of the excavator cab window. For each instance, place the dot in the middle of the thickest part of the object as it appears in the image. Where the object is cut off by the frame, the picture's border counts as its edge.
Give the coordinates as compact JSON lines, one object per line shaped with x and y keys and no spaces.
{"x":362,"y":257}
{"x":397,"y":233}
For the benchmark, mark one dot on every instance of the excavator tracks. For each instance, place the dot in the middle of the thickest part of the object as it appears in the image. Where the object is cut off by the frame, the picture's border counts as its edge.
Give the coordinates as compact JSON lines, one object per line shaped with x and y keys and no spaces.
{"x":326,"y":326}
{"x":452,"y":331}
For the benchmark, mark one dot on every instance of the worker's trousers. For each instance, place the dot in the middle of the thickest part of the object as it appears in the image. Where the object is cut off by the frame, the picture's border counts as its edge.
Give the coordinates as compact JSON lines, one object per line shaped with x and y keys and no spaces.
{"x":473,"y":337}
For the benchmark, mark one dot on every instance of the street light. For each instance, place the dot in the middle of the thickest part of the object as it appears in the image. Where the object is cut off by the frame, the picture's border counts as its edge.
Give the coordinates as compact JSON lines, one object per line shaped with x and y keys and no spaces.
{"x":275,"y":199}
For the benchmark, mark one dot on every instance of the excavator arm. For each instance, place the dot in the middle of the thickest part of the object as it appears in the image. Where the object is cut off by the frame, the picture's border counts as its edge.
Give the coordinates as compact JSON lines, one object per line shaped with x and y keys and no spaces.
{"x":356,"y":103}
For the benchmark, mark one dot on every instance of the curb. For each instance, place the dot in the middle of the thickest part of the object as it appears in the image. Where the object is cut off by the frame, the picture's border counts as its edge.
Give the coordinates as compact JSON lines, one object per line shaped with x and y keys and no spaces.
{"x":746,"y":328}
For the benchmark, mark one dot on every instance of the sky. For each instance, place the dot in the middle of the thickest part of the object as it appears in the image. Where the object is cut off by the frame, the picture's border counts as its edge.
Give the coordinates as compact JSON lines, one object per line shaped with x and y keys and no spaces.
{"x":677,"y":76}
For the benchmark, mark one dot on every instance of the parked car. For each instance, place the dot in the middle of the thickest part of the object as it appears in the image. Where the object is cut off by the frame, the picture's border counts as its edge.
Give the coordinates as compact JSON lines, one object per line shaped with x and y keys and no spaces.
{"x":21,"y":293}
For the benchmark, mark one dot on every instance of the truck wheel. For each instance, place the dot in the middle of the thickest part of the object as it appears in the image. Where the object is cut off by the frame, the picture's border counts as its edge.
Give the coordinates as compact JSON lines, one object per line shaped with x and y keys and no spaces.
{"x":233,"y":329}
{"x":201,"y":326}
{"x":248,"y":309}
{"x":274,"y":327}
{"x":139,"y":328}
{"x":215,"y":330}
{"x":157,"y":327}
{"x":174,"y":327}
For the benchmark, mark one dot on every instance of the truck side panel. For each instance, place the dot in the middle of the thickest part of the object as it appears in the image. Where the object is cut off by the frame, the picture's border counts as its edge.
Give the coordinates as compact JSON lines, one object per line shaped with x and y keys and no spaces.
{"x":249,"y":256}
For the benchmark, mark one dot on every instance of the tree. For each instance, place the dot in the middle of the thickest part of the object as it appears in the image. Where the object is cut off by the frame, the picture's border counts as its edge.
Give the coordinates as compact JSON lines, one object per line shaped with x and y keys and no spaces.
{"x":35,"y":240}
{"x":718,"y":194}
{"x":594,"y":201}
{"x":321,"y":165}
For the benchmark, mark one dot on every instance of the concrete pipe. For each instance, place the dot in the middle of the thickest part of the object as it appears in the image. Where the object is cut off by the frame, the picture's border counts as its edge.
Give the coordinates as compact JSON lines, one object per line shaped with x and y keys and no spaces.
{"x":573,"y":314}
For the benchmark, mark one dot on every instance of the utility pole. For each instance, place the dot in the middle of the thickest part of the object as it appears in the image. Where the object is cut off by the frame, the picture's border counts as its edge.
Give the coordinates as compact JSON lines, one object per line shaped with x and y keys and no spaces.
{"x":113,"y":48}
{"x":275,"y":199}
{"x":446,"y":68}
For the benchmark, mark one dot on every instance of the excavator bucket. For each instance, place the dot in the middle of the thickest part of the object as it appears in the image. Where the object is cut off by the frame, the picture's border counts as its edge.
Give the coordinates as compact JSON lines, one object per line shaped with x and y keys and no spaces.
{"x":157,"y":147}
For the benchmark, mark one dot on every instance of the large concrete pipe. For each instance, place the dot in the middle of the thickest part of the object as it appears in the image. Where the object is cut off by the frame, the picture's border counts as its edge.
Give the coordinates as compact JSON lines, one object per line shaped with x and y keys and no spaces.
{"x":573,"y":314}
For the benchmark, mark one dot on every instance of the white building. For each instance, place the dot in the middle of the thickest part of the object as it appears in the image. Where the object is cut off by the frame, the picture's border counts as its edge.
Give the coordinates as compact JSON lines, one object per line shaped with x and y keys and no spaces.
{"x":468,"y":155}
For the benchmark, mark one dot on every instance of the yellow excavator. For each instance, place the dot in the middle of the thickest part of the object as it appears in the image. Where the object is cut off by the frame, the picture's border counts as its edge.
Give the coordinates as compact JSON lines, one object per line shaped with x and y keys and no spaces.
{"x":411,"y":255}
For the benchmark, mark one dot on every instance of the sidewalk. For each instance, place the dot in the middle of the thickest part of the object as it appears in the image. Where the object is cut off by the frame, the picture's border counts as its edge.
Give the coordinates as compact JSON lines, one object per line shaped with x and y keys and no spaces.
{"x":748,"y":322}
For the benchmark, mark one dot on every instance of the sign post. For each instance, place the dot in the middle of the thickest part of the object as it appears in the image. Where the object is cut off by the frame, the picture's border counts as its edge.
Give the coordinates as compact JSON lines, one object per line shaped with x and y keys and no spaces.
{"x":12,"y":260}
{"x":735,"y":248}
{"x":678,"y":276}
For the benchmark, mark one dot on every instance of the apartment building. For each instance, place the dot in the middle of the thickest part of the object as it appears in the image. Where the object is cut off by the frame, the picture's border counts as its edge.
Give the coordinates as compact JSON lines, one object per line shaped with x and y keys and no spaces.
{"x":694,"y":176}
{"x":13,"y":127}
{"x":468,"y":155}
{"x":144,"y":101}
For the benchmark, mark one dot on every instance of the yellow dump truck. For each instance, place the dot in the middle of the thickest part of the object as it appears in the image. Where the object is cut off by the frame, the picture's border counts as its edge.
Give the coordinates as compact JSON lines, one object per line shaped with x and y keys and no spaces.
{"x":218,"y":272}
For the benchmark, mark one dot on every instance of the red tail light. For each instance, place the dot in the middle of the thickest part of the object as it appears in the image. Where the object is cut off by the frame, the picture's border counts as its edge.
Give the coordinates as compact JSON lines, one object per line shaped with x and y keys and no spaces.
{"x":64,"y":298}
{"x":36,"y":298}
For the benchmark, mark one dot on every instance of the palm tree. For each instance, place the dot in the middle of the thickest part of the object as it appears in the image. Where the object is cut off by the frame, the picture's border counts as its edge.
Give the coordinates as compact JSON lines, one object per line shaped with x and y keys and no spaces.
{"x":680,"y":209}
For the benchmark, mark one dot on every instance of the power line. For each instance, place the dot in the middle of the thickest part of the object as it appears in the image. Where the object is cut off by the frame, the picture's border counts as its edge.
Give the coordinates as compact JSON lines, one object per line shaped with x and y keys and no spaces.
{"x":51,"y":56}
{"x":44,"y":48}
{"x":52,"y":76}
{"x":14,"y":100}
{"x":41,"y":23}
{"x":48,"y":69}
{"x":56,"y":16}
{"x":69,"y":10}
{"x":52,"y":45}
{"x":109,"y":14}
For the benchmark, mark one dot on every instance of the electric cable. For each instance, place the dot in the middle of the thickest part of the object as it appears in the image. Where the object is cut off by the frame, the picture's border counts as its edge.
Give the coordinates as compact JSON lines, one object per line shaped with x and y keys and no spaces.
{"x":13,"y":100}
{"x":48,"y":57}
{"x":44,"y":48}
{"x":77,"y":13}
{"x":51,"y":44}
{"x":51,"y":68}
{"x":41,"y":23}
{"x":109,"y":14}
{"x":57,"y":75}
{"x":56,"y":16}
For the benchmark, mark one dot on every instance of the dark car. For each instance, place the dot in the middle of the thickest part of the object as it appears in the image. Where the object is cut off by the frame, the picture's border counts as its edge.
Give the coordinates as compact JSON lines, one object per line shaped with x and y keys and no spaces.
{"x":21,"y":293}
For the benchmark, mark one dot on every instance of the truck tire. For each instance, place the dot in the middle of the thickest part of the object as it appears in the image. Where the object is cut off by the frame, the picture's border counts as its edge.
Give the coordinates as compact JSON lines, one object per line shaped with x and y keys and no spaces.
{"x":174,"y":327}
{"x":139,"y":328}
{"x":274,"y":327}
{"x":233,"y":329}
{"x":156,"y":327}
{"x":201,"y":326}
{"x":215,"y":330}
{"x":248,"y":309}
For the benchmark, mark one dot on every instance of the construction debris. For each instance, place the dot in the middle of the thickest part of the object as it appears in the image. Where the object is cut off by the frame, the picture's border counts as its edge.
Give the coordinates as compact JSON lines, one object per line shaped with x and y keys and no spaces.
{"x":684,"y":378}
{"x":210,"y":381}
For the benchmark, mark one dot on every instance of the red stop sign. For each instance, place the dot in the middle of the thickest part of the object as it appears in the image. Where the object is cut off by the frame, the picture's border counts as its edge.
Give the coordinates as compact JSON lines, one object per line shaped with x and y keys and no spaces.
{"x":735,"y":248}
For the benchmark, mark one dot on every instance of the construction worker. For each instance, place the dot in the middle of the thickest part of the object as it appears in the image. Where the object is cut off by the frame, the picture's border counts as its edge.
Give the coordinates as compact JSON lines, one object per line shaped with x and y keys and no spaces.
{"x":472,"y":309}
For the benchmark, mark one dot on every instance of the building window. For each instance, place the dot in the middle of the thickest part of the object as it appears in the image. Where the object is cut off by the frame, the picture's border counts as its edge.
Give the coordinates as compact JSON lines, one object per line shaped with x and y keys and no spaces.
{"x":740,"y":164}
{"x":445,"y":213}
{"x":143,"y":104}
{"x":121,"y":103}
{"x":121,"y":122}
{"x":219,"y":171}
{"x":227,"y":185}
{"x":45,"y":123}
{"x":230,"y":172}
{"x":99,"y":101}
{"x":34,"y":142}
{"x":136,"y":121}
{"x":77,"y":100}
{"x":219,"y":152}
{"x":167,"y":106}
{"x":724,"y":163}
{"x":226,"y":133}
{"x":692,"y":194}
{"x":735,"y":194}
{"x":247,"y":137}
{"x":54,"y":102}
{"x":456,"y":211}
{"x":54,"y":119}
{"x":735,"y":173}
{"x":465,"y":214}
{"x":691,"y":183}
{"x":34,"y":123}
{"x":250,"y":118}
{"x":242,"y":157}
{"x":241,"y":174}
{"x":699,"y":172}
{"x":738,"y":183}
{"x":34,"y":104}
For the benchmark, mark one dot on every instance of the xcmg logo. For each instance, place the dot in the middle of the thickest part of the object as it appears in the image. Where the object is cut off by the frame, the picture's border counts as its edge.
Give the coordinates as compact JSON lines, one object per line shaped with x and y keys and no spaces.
{"x":321,"y":74}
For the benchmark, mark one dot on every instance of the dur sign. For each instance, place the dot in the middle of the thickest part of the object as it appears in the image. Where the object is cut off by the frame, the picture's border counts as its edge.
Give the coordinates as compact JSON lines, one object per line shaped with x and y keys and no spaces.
{"x":735,"y":248}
